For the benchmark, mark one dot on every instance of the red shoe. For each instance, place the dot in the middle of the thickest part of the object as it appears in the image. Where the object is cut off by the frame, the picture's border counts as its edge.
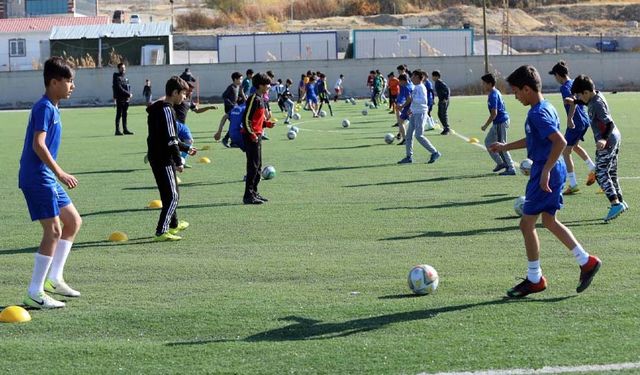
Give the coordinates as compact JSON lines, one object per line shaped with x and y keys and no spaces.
{"x":526,"y":287}
{"x":591,"y":178}
{"x":587,"y":272}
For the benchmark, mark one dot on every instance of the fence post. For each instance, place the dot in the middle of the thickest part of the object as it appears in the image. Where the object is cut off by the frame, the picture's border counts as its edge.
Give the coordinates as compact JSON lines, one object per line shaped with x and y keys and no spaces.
{"x":556,"y":44}
{"x":327,"y":42}
{"x":374,"y":48}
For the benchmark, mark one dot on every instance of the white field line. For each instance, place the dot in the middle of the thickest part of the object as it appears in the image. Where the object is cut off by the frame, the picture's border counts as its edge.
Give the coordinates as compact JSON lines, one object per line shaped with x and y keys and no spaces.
{"x":550,"y":370}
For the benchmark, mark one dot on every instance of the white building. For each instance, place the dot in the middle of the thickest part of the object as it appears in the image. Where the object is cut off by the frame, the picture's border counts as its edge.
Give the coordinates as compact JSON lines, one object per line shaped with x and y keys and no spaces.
{"x":24,"y":42}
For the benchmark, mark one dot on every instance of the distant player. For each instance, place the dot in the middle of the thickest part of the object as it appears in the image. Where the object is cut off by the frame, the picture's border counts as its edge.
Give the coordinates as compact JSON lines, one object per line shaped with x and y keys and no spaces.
{"x":443,"y":92}
{"x":403,"y":109}
{"x":431,"y":93}
{"x":418,"y":119}
{"x":338,"y":89}
{"x":544,"y":144}
{"x":312,"y":95}
{"x":323,"y":93}
{"x":46,"y":199}
{"x":255,"y":118}
{"x":246,"y":83}
{"x":164,"y":148}
{"x":146,"y":93}
{"x":181,"y":111}
{"x":608,"y":138}
{"x":499,"y":121}
{"x":232,"y":96}
{"x":394,"y":90}
{"x":121,"y":95}
{"x":577,"y":126}
{"x":287,"y":100}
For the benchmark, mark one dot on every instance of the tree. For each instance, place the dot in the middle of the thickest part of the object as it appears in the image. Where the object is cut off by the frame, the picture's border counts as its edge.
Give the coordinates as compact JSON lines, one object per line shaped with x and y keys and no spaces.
{"x":226,"y":6}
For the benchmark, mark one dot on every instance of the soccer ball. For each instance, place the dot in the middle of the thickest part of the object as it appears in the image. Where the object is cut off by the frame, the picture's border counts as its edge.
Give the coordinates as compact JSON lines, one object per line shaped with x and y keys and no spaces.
{"x":295,"y":129}
{"x":291,"y":134}
{"x":388,"y":138}
{"x":347,"y":101}
{"x":518,"y":205}
{"x":345,"y":123}
{"x":353,"y":101}
{"x":525,"y":166}
{"x":372,"y":106}
{"x":322,"y":113}
{"x":268,"y":172}
{"x":367,"y":104}
{"x":296,"y":116}
{"x":365,"y":112}
{"x":423,"y":279}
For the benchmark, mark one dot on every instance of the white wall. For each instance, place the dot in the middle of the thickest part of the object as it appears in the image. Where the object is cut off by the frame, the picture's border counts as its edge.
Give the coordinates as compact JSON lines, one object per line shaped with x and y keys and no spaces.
{"x":610,"y":72}
{"x":33,"y":42}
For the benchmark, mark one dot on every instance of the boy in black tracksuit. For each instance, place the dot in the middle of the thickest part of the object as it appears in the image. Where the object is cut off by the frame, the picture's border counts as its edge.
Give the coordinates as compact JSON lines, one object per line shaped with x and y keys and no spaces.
{"x":443,"y":92}
{"x":122,"y":95}
{"x":252,"y":130}
{"x":164,"y":156}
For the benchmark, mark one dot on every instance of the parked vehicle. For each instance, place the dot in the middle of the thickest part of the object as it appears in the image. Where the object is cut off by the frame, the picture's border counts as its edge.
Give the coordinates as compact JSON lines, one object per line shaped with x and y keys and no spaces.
{"x":134,"y":18}
{"x":118,"y":16}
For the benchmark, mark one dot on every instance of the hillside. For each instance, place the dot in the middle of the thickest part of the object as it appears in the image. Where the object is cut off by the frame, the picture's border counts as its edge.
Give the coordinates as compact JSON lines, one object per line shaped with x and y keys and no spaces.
{"x":607,"y":17}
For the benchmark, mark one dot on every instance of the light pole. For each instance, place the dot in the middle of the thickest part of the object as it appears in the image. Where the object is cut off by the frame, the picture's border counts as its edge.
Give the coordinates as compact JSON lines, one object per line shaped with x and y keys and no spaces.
{"x":484,"y":29}
{"x":171,"y":1}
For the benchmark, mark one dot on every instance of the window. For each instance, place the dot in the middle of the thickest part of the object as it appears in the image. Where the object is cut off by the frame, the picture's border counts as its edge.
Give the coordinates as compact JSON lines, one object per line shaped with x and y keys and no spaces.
{"x":17,"y":47}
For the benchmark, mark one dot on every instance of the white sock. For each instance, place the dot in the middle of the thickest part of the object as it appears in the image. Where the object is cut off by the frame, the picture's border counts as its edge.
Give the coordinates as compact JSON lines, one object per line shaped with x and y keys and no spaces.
{"x":572,"y":179}
{"x":534,"y":272}
{"x":59,"y":260}
{"x":590,"y":165}
{"x":582,"y":257}
{"x":40,"y":268}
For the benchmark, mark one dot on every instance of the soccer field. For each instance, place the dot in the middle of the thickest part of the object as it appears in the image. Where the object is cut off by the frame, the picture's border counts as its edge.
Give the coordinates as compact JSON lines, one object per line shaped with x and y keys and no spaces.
{"x":314,"y":281}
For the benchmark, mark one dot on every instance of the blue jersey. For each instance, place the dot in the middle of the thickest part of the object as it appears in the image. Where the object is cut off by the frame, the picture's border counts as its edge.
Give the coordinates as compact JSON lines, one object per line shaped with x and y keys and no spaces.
{"x":430,"y":92}
{"x":580,"y":117}
{"x":405,"y":93}
{"x":236,"y":116}
{"x":542,"y":121}
{"x":496,"y":102}
{"x":44,"y":117}
{"x":311,"y":90}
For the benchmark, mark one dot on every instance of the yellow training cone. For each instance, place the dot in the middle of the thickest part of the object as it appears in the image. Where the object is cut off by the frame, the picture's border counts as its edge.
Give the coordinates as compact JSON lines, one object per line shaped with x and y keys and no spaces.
{"x":156,"y":203}
{"x":14,"y":314}
{"x":204,"y":160}
{"x":118,"y":237}
{"x":205,"y":148}
{"x":473,"y":140}
{"x":178,"y":180}
{"x":273,"y":119}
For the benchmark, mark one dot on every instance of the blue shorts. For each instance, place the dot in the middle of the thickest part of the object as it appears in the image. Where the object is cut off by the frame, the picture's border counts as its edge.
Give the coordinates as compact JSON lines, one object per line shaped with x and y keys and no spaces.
{"x":45,"y":202}
{"x":537,"y":200}
{"x":312,"y":99}
{"x":404,"y":114}
{"x":184,"y":133}
{"x":575,"y":135}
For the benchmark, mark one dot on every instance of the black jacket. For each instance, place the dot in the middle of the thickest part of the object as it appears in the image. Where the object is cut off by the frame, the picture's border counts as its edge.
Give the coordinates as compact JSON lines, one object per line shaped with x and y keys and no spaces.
{"x":163,"y":144}
{"x":121,"y":88}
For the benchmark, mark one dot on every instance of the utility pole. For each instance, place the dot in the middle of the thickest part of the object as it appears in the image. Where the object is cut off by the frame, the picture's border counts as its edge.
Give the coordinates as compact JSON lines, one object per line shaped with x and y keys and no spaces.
{"x":505,"y":27}
{"x":171,"y":1}
{"x":484,"y":28}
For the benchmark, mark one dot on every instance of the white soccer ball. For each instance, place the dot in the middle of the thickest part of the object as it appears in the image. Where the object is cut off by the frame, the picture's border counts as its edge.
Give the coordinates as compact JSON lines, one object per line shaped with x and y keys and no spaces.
{"x":296,"y":116}
{"x":353,"y":101}
{"x":347,"y":101}
{"x":346,"y":123}
{"x":372,"y":106}
{"x":367,"y":104}
{"x":268,"y":172}
{"x":525,"y":166}
{"x":365,"y":112}
{"x":423,"y":279}
{"x":518,"y":205}
{"x":389,"y":138}
{"x":295,"y":129}
{"x":322,"y":113}
{"x":291,"y":134}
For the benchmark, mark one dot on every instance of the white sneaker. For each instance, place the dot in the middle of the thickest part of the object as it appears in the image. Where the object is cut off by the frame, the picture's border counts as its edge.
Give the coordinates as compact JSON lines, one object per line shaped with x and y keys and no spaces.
{"x":60,"y":288}
{"x":42,"y":301}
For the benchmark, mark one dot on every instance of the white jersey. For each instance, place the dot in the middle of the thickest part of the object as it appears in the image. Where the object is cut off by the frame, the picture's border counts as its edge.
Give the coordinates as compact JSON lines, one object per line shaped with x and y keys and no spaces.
{"x":338,"y":84}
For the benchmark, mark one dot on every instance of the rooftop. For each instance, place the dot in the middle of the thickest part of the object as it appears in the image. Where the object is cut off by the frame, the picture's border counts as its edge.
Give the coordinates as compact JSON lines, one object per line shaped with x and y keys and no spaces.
{"x":111,"y":30}
{"x":46,"y":24}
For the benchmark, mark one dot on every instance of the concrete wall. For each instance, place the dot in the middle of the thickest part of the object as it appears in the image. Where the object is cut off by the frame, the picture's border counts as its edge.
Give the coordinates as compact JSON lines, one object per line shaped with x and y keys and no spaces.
{"x":546,"y":42}
{"x":611,"y":71}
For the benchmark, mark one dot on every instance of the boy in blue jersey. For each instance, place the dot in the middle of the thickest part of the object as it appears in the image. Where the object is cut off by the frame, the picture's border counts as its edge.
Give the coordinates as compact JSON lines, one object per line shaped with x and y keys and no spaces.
{"x":499,"y":117}
{"x":544,"y":144}
{"x":418,"y":118}
{"x":46,"y":199}
{"x":430,"y":94}
{"x":311,"y":91}
{"x":608,"y":138}
{"x":577,"y":125}
{"x":402,"y":111}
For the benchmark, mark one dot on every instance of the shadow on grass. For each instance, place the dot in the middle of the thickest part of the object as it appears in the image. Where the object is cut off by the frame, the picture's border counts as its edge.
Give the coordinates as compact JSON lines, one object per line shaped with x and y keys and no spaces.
{"x":126,"y":210}
{"x":447,"y":204}
{"x":83,"y":245}
{"x":327,"y":169}
{"x":114,"y":171}
{"x":312,"y":329}
{"x":339,"y":148}
{"x":185,"y":184}
{"x":464,"y":233}
{"x":434,"y":179}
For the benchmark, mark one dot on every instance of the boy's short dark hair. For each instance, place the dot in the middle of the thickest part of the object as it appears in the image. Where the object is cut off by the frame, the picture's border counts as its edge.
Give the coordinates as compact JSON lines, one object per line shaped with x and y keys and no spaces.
{"x":341,"y":75}
{"x":270,"y":74}
{"x":489,"y":78}
{"x":419,"y":73}
{"x":560,"y":69}
{"x":249,"y":72}
{"x":260,"y":79}
{"x":403,"y":77}
{"x":56,"y":68}
{"x":175,"y":83}
{"x":436,"y":73}
{"x":289,"y":81}
{"x":390,"y":75}
{"x":401,"y":67}
{"x":372,"y":72}
{"x":526,"y":75}
{"x":582,"y":83}
{"x":235,"y":75}
{"x":120,"y":65}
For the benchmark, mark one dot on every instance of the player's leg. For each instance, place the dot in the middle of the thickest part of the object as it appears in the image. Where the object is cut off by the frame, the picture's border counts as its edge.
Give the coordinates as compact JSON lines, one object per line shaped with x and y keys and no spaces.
{"x":125,"y":112}
{"x":409,"y":142}
{"x":119,"y":109}
{"x":534,"y":282}
{"x":421,"y":119}
{"x":505,"y":156}
{"x":71,"y":223}
{"x":584,"y":155}
{"x":489,"y":139}
{"x":168,"y":188}
{"x":571,"y":174}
